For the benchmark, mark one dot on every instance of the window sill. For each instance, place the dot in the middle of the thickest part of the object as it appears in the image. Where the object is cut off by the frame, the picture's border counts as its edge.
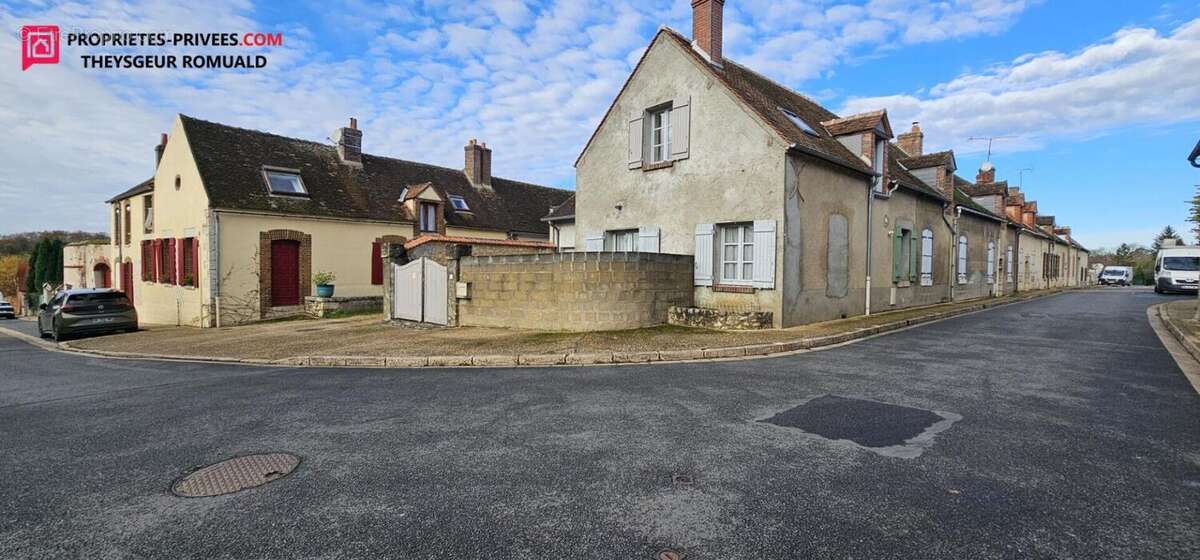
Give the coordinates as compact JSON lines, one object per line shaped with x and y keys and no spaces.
{"x":647,"y":167}
{"x":732,"y":289}
{"x":904,"y":284}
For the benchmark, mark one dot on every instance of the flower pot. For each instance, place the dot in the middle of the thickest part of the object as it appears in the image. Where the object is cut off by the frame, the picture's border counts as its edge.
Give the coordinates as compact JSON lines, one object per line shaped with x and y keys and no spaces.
{"x":325,"y":290}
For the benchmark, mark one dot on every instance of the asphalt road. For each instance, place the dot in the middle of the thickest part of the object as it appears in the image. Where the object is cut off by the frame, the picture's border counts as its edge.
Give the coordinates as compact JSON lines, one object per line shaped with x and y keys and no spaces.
{"x":1079,"y":437}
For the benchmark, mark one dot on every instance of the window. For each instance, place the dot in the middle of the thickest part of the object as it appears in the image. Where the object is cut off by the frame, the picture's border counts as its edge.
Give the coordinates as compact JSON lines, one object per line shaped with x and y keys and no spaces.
{"x":188,"y":261}
{"x":796,"y":120}
{"x":926,"y":258}
{"x":428,"y":217}
{"x":128,"y":223}
{"x":165,"y":260}
{"x":660,"y":135}
{"x":737,"y":254}
{"x":878,"y":163}
{"x":1008,"y":265}
{"x":285,"y":182}
{"x":1185,"y":264}
{"x":116,"y":239}
{"x":147,"y":261}
{"x":902,"y":256}
{"x":148,"y":214}
{"x":991,"y":262}
{"x":178,"y":182}
{"x":625,"y":240}
{"x":458,"y":202}
{"x":962,"y":259}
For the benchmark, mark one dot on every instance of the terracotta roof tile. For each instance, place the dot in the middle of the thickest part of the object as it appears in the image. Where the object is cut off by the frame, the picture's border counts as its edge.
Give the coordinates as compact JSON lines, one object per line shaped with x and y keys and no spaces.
{"x":140,"y":188}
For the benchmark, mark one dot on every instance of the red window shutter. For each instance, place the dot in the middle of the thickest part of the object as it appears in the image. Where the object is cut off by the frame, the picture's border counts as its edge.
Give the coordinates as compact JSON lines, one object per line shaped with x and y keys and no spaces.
{"x":376,"y":264}
{"x":196,"y":261}
{"x":156,"y":247}
{"x":179,"y":254}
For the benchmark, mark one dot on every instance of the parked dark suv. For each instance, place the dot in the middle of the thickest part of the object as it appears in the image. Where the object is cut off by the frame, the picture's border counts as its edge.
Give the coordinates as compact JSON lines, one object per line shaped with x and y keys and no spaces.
{"x":75,"y":312}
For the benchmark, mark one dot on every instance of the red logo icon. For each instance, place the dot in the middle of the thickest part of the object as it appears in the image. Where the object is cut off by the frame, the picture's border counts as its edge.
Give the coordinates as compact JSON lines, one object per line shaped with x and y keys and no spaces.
{"x":39,"y":45}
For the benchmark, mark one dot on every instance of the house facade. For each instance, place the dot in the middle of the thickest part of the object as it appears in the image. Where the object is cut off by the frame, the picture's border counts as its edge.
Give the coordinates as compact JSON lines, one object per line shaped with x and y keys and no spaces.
{"x":87,"y":264}
{"x":785,"y":206}
{"x":234,"y":222}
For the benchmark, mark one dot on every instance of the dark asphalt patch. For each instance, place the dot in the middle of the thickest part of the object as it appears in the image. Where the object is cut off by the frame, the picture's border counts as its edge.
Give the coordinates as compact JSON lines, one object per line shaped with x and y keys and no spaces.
{"x":865,"y":422}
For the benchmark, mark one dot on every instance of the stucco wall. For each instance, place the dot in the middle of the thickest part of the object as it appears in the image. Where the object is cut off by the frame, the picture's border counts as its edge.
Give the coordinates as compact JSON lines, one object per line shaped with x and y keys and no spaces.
{"x":916,"y":213}
{"x":573,"y":291}
{"x":80,"y":261}
{"x":1030,"y":262}
{"x":339,"y":246}
{"x":734,"y":172}
{"x":979,"y":232}
{"x":815,"y":191}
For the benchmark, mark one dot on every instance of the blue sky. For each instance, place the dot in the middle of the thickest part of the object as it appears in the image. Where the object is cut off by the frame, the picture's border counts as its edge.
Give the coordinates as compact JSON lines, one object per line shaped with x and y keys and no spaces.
{"x":1101,"y":98}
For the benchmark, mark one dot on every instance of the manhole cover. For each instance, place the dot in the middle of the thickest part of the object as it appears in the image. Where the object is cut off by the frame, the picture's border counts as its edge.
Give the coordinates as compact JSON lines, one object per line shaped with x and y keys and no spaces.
{"x":236,"y":474}
{"x":668,"y":554}
{"x":871,"y":424}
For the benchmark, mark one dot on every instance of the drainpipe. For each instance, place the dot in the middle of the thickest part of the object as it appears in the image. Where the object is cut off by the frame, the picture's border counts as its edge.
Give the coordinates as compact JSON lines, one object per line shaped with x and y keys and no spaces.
{"x":214,"y":256}
{"x":870,"y":232}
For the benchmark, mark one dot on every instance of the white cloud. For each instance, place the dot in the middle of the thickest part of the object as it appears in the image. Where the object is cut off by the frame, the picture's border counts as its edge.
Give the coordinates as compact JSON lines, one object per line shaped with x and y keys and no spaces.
{"x":1137,"y":76}
{"x":531,"y":79}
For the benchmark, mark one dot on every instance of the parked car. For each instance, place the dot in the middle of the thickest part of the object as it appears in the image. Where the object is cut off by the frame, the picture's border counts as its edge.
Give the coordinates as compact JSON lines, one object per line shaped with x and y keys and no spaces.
{"x":86,"y":311}
{"x":1177,"y":270}
{"x":6,"y":309}
{"x":1116,"y":275}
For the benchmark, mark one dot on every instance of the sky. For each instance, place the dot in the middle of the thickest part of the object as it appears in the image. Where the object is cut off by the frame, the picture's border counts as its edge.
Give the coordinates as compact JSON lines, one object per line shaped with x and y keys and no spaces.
{"x":1098,"y":101}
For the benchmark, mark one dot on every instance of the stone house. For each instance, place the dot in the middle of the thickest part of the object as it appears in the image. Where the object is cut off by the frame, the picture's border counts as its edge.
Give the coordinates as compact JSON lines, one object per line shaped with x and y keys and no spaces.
{"x":86,"y":264}
{"x":235,"y":221}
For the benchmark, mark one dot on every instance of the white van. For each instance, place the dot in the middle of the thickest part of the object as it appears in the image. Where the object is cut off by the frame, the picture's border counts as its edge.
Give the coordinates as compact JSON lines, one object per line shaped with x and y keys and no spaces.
{"x":1177,"y":269}
{"x":1116,"y":275}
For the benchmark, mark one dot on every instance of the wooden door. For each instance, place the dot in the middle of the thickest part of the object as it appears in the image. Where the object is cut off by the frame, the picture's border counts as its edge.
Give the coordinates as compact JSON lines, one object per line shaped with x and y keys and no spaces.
{"x":127,"y":280}
{"x":285,"y":273}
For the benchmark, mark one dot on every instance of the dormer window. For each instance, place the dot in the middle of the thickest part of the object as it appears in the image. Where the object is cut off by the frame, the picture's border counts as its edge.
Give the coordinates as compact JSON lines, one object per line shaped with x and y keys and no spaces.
{"x":796,"y":120}
{"x":459,"y":203}
{"x":428,"y":216}
{"x":284,"y":182}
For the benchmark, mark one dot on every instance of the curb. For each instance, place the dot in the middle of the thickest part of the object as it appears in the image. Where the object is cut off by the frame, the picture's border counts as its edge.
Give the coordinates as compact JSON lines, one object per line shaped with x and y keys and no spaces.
{"x":1190,"y":370}
{"x":566,"y":359}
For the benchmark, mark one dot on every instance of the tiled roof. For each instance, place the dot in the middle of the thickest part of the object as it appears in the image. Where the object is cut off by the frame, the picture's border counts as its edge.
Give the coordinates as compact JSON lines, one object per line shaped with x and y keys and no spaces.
{"x":417,"y":242}
{"x":985,"y":189}
{"x":765,"y":98}
{"x":899,"y":174}
{"x":929,"y":160}
{"x":562,"y":211}
{"x":1045,"y":220}
{"x":861,"y":122}
{"x":231,"y":159}
{"x":140,"y":188}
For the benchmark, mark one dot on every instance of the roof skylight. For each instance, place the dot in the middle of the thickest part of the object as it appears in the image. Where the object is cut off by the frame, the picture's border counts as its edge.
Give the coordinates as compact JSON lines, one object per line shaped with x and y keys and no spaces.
{"x":796,"y":120}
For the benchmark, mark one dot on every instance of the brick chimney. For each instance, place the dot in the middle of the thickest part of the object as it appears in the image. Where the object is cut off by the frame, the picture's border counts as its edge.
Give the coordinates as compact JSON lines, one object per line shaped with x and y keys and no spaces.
{"x":1029,"y":214}
{"x":159,"y":149}
{"x":349,"y":143}
{"x":707,"y":16}
{"x":913,"y":141}
{"x":1014,"y":204}
{"x":478,"y":164}
{"x":986,"y":175}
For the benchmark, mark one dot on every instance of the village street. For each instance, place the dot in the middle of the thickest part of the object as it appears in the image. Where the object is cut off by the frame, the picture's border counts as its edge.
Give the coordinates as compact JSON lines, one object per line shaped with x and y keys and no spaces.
{"x":1066,"y":431}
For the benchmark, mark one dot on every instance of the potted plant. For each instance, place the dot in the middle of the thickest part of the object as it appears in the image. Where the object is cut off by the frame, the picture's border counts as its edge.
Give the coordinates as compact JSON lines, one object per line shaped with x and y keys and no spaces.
{"x":324,"y":282}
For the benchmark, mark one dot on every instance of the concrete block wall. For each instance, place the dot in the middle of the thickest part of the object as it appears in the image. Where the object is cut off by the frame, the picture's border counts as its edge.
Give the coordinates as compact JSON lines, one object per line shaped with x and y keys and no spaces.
{"x":574,"y":291}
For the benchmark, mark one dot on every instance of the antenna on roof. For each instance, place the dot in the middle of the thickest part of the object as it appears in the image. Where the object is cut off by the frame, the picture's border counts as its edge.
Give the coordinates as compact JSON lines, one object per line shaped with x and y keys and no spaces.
{"x":1021,"y":176}
{"x":989,"y":139}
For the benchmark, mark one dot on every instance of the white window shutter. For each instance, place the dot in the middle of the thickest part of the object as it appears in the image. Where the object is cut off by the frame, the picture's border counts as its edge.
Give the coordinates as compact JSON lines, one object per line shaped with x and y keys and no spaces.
{"x":703,"y":273}
{"x":635,"y":143}
{"x":648,"y":240}
{"x":764,"y":254}
{"x":681,"y":124}
{"x":594,"y":242}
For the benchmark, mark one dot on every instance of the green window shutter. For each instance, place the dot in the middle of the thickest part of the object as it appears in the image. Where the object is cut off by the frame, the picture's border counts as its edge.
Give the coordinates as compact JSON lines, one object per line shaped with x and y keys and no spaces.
{"x":914,"y":256}
{"x":897,"y":253}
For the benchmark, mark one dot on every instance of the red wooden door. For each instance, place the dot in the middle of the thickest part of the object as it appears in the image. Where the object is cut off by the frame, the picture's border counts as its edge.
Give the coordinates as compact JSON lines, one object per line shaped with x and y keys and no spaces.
{"x":127,"y":280}
{"x":285,"y":273}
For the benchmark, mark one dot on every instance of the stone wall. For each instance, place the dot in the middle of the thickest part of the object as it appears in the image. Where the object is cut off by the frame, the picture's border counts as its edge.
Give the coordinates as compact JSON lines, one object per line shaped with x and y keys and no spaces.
{"x":719,"y":319}
{"x":573,"y":291}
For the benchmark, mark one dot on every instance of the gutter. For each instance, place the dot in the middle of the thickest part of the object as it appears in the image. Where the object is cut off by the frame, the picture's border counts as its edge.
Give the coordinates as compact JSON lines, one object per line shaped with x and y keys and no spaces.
{"x":825,"y":158}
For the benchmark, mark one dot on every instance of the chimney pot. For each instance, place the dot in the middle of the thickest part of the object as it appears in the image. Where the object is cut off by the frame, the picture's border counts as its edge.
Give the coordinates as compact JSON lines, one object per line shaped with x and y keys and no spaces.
{"x":349,"y":143}
{"x":912,"y":142}
{"x":987,"y":174}
{"x":707,"y":23}
{"x":478,"y":164}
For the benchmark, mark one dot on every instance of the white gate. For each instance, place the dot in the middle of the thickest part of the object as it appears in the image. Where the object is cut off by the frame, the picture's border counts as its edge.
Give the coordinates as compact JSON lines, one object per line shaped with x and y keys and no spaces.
{"x":419,"y":292}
